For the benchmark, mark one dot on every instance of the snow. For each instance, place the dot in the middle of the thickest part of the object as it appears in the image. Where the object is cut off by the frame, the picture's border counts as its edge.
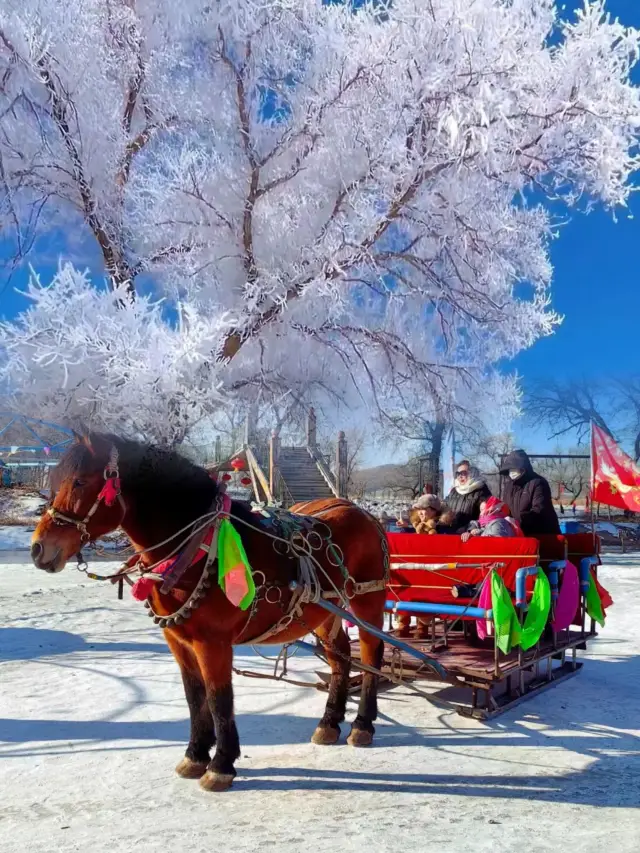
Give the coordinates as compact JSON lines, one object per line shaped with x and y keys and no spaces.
{"x":606,"y":527}
{"x":93,"y":720}
{"x":15,"y":538}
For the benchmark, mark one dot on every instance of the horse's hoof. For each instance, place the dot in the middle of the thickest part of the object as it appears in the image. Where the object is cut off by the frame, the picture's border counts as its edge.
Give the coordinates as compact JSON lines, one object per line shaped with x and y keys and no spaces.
{"x":189,"y":769}
{"x":360,"y":737}
{"x":326,"y":735}
{"x":212,"y":781}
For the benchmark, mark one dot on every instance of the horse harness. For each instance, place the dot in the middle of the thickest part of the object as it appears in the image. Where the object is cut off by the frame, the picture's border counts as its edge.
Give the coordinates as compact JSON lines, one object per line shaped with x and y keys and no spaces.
{"x":298,"y":537}
{"x":302,"y":538}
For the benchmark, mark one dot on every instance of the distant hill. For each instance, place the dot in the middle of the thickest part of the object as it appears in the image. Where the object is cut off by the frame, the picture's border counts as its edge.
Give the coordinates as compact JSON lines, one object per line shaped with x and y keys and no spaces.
{"x":392,"y":480}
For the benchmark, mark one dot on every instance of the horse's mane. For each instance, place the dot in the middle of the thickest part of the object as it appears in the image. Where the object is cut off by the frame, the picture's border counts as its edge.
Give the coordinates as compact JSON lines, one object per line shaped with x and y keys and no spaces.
{"x":149,"y":472}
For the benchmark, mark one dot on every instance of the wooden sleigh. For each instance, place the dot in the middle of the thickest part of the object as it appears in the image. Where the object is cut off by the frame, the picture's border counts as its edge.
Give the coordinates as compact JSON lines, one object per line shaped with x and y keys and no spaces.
{"x":437,"y":578}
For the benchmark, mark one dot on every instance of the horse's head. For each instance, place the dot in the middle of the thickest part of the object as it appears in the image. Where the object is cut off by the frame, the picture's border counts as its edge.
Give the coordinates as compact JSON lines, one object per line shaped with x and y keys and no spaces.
{"x":85,"y":502}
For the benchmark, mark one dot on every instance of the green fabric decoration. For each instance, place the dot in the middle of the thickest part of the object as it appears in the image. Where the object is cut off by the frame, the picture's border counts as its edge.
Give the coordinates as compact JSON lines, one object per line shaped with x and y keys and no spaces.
{"x":505,"y":618}
{"x":538,"y":612}
{"x":234,"y":572}
{"x":594,"y":602}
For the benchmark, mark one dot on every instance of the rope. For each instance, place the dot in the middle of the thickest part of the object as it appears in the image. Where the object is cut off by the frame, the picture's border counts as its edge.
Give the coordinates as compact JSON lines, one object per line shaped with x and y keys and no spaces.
{"x":312,"y":591}
{"x":126,"y":570}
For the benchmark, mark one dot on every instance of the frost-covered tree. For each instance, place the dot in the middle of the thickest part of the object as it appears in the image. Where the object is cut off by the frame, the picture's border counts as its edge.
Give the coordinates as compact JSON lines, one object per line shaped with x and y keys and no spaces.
{"x":301,"y":182}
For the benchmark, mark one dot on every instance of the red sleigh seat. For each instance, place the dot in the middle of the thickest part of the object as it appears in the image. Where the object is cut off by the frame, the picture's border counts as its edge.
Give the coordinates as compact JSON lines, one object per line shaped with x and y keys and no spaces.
{"x":427,"y":568}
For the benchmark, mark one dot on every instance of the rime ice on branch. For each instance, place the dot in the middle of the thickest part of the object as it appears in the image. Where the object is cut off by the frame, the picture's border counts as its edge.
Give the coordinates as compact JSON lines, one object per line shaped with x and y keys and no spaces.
{"x":303,"y":184}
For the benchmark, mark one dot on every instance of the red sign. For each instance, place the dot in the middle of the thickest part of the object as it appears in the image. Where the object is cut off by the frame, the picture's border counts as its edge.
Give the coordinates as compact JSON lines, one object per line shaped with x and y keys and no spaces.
{"x":616,"y":477}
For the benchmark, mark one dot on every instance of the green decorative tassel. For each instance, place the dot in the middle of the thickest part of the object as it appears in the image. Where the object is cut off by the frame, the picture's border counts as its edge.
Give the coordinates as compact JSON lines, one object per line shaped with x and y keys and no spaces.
{"x":538,"y":612}
{"x":234,"y":572}
{"x":505,"y":618}
{"x":594,"y":602}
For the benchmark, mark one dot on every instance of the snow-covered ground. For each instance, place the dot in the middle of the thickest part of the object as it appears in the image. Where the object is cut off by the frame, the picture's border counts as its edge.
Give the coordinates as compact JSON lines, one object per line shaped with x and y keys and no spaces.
{"x":15,"y":538}
{"x":93,"y":720}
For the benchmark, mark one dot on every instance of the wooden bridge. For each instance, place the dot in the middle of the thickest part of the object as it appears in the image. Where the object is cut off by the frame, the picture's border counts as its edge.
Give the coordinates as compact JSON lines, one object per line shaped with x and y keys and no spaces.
{"x":289,"y":474}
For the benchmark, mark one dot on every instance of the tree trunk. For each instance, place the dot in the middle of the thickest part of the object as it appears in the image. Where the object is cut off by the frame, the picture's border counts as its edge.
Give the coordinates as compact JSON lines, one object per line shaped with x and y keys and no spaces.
{"x":432,"y":476}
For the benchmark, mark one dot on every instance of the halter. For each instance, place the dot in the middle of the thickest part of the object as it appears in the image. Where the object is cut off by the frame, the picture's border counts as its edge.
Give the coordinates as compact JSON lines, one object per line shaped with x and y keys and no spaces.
{"x":110,"y":493}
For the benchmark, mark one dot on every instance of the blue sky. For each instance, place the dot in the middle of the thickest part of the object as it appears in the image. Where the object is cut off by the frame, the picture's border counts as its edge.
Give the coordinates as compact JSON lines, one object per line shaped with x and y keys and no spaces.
{"x":596,"y":262}
{"x":596,"y":286}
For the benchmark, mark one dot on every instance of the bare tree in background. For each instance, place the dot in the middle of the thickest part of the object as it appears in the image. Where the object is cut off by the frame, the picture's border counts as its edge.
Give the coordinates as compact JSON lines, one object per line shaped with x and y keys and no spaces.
{"x":628,"y":391}
{"x":570,"y":407}
{"x":487,"y":451}
{"x":567,"y":477}
{"x":389,"y":481}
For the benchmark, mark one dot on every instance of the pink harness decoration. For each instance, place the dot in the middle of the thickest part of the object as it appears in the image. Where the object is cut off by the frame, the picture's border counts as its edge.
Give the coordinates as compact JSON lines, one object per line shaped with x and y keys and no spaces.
{"x":142,"y":588}
{"x":110,"y":491}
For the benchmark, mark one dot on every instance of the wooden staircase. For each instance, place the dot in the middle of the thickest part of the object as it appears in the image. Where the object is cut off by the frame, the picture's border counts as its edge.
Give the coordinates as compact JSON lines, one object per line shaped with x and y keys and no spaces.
{"x":290,"y":475}
{"x":301,"y":476}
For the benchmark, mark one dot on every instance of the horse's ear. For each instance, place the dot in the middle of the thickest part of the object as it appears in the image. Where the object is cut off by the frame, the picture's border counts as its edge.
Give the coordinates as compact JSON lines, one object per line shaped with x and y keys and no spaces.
{"x":78,"y":430}
{"x":89,"y":442}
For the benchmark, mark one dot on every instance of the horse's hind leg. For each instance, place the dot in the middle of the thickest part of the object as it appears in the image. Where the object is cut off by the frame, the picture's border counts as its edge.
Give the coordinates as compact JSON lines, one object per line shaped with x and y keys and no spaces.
{"x":338,"y":652}
{"x":370,"y":608}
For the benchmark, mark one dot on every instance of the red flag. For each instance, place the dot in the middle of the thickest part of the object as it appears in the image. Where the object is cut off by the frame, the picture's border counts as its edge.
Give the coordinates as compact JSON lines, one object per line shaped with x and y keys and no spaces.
{"x":616,"y":477}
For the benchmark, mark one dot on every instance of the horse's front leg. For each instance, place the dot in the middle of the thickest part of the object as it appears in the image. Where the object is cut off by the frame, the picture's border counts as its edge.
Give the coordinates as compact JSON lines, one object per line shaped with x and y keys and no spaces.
{"x":202,"y":736}
{"x":216,"y":662}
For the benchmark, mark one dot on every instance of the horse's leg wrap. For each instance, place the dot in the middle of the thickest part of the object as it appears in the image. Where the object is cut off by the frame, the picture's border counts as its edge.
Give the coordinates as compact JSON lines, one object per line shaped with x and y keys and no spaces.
{"x":372,"y":653}
{"x":202,"y":736}
{"x":338,"y":651}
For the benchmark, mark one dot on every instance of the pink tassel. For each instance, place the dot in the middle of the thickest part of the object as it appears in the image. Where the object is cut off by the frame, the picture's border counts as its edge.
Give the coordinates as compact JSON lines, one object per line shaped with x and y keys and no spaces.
{"x":110,"y":491}
{"x":235,"y":585}
{"x":141,"y":590}
{"x":484,"y":603}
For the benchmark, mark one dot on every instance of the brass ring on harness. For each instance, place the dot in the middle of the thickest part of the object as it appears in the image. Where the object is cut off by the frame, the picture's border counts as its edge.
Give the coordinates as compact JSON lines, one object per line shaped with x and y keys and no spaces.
{"x":255,"y":573}
{"x":318,"y":538}
{"x":275,"y":600}
{"x":317,"y":523}
{"x":349,"y":588}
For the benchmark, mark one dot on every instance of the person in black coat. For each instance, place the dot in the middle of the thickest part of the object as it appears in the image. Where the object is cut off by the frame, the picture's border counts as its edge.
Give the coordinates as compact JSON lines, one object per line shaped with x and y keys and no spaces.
{"x":528,"y":495}
{"x":464,"y":499}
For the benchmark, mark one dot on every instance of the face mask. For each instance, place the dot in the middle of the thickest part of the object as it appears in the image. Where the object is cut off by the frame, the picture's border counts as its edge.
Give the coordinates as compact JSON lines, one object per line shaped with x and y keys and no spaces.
{"x":515,"y":473}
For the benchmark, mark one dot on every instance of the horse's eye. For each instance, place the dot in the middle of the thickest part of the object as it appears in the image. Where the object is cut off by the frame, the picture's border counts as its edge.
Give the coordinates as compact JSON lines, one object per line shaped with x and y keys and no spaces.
{"x":78,"y":484}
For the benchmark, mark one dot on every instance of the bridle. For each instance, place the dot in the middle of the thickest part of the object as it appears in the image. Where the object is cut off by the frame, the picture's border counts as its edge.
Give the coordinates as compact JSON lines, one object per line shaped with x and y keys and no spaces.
{"x":110,"y":493}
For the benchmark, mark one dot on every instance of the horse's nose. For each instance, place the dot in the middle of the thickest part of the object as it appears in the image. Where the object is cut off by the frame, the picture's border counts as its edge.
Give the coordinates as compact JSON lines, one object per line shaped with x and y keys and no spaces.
{"x":36,"y":552}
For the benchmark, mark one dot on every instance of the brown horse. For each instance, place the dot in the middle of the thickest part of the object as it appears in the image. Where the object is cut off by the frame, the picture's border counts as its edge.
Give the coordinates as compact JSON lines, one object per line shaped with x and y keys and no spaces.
{"x":160,"y":493}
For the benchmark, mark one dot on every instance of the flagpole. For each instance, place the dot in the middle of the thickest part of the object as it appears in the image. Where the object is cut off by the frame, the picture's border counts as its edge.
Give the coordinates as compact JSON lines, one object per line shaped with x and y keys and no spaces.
{"x":592,"y":488}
